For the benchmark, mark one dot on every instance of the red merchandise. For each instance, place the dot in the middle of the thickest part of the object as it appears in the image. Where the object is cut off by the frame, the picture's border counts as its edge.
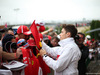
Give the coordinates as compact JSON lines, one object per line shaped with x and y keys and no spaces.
{"x":28,"y":33}
{"x":31,"y":61}
{"x":43,"y":65}
{"x":42,"y":28}
{"x":22,"y":29}
{"x":41,"y":36}
{"x":89,"y":42}
{"x":35,"y":33}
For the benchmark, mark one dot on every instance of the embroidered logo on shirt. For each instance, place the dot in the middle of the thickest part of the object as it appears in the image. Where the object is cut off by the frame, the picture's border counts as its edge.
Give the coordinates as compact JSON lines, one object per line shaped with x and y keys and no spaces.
{"x":57,"y":57}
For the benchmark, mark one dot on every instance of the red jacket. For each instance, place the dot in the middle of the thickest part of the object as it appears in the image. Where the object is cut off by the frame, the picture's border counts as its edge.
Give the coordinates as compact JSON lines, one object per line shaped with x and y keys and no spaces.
{"x":31,"y":61}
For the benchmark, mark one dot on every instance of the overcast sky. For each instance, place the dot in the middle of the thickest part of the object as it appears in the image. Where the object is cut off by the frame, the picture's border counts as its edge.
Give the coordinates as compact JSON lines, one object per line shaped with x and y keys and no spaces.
{"x":48,"y":10}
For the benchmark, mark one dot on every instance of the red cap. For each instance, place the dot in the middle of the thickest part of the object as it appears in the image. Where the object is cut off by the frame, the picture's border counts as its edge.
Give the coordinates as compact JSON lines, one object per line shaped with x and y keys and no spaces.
{"x":42,"y":28}
{"x":27,"y":33}
{"x":49,"y":37}
{"x":31,"y":42}
{"x":22,"y":29}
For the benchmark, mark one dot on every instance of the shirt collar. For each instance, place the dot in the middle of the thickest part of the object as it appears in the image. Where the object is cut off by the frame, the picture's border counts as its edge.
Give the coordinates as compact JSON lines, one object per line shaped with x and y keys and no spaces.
{"x":66,"y":41}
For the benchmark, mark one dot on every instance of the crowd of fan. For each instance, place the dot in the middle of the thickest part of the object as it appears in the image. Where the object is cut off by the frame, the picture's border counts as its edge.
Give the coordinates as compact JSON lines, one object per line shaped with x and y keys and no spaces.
{"x":11,"y":43}
{"x":21,"y":44}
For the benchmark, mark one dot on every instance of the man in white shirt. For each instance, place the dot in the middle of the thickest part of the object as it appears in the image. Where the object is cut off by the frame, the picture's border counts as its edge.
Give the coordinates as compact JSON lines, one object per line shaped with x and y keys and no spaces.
{"x":67,"y":54}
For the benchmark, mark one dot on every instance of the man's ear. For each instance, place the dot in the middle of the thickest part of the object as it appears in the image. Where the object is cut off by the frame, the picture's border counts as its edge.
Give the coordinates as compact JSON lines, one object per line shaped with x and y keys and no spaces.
{"x":68,"y":34}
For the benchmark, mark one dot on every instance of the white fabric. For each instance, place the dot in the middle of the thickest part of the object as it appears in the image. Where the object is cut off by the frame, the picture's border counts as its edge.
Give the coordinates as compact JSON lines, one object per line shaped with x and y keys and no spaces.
{"x":67,"y":62}
{"x":5,"y":72}
{"x":98,"y":50}
{"x":41,"y":23}
{"x":40,"y":71}
{"x":0,"y":43}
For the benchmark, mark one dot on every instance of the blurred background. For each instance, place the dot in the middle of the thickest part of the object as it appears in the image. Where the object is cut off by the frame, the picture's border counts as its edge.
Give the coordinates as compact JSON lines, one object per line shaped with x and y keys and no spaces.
{"x":84,"y":14}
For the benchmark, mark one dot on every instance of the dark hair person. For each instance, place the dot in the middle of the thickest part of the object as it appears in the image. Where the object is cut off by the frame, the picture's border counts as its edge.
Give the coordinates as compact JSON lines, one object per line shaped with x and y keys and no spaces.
{"x":67,"y":54}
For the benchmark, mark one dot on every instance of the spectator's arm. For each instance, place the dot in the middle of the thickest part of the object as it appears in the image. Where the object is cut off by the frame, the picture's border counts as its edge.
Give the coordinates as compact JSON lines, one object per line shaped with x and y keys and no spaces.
{"x":11,"y":56}
{"x":8,"y":56}
{"x":47,"y":31}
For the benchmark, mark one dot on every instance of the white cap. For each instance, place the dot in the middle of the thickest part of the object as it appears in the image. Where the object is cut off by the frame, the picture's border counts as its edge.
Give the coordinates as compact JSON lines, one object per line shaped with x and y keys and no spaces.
{"x":42,"y":23}
{"x":88,"y":36}
{"x":27,"y":33}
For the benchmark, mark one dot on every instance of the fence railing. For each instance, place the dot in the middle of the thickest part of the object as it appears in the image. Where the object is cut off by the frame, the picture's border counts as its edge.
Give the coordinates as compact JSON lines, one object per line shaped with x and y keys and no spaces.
{"x":92,"y":73}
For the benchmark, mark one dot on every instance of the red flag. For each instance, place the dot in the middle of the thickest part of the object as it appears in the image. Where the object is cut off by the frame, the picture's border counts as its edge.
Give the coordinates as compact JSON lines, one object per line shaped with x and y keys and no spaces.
{"x":6,"y":25}
{"x":35,"y":33}
{"x":43,"y":65}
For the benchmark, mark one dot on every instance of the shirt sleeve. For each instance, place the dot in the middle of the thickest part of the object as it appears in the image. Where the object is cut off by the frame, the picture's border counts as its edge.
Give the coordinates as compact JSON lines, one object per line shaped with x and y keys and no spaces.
{"x":51,"y":51}
{"x":62,"y":62}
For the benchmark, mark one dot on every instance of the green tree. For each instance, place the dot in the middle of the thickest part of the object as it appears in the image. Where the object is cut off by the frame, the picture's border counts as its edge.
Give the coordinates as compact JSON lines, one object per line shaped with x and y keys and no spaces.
{"x":92,"y":27}
{"x":95,"y":24}
{"x":97,"y":32}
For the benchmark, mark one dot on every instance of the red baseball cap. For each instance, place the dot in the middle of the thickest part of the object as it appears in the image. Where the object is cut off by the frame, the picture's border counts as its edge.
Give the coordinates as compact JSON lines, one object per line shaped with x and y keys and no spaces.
{"x":31,"y":42}
{"x":49,"y":37}
{"x":22,"y":29}
{"x":42,"y":28}
{"x":27,"y":33}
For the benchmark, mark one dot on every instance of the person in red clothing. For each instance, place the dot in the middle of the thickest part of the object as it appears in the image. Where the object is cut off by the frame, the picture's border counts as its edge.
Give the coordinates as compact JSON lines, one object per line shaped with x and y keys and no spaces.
{"x":33,"y":66}
{"x":45,"y":68}
{"x":23,"y":34}
{"x":21,"y":31}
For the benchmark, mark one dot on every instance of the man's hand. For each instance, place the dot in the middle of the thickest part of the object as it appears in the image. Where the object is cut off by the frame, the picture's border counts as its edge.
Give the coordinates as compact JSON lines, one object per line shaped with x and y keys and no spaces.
{"x":42,"y":52}
{"x":18,"y":52}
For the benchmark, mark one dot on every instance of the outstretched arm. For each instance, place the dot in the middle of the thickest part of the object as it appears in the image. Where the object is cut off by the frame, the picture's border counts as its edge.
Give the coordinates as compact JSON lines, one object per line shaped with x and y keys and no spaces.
{"x":47,"y":31}
{"x":11,"y":56}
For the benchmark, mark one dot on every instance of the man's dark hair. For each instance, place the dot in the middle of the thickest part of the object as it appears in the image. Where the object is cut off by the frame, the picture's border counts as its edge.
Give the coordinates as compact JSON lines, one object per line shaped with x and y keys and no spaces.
{"x":70,"y":28}
{"x":82,"y":34}
{"x":11,"y":29}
